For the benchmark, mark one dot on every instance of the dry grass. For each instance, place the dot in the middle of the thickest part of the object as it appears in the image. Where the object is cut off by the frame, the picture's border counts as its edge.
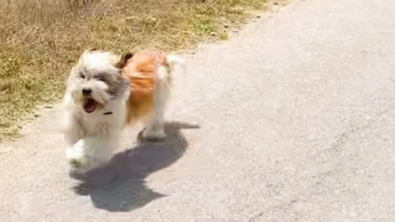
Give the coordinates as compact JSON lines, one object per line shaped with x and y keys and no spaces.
{"x":41,"y":39}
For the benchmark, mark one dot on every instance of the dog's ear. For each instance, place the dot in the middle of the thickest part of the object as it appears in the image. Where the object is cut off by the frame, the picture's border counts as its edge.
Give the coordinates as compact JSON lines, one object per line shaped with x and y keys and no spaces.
{"x":124,"y":59}
{"x":123,"y":86}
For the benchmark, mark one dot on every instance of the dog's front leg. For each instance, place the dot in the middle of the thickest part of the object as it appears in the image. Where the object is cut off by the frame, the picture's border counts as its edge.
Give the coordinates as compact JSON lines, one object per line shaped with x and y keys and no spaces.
{"x":73,"y":130}
{"x":73,"y":133}
{"x":104,"y":152}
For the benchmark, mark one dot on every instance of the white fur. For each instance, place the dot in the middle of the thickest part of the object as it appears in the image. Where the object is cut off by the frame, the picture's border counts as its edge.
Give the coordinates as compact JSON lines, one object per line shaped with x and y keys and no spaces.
{"x":99,"y":60}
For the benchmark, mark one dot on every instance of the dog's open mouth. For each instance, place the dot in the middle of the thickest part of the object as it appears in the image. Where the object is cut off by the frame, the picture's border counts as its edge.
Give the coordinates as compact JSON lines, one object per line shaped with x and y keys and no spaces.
{"x":90,"y":105}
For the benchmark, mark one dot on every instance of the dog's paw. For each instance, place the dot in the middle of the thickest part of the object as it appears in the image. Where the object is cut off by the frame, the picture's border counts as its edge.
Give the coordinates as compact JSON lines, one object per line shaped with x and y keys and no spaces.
{"x":151,"y":136}
{"x":77,"y":173}
{"x":77,"y":158}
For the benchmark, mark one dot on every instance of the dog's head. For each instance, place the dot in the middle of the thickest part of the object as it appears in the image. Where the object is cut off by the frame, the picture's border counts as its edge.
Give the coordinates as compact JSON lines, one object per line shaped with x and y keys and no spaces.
{"x":96,"y":79}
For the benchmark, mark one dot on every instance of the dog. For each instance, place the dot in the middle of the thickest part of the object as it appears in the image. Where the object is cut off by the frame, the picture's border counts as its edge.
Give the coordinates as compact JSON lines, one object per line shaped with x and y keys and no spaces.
{"x":106,"y":92}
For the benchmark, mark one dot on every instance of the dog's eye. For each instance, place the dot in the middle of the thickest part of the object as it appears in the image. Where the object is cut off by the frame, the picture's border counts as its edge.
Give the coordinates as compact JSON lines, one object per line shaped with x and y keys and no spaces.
{"x":82,"y":76}
{"x":100,"y":78}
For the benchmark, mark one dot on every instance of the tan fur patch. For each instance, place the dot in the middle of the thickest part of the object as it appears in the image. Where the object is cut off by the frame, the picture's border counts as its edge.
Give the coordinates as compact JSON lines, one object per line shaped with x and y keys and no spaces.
{"x":141,"y":70}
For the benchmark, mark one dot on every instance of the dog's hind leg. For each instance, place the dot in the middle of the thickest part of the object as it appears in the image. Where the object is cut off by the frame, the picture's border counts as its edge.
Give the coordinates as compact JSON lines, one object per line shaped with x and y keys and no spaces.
{"x":154,"y":124}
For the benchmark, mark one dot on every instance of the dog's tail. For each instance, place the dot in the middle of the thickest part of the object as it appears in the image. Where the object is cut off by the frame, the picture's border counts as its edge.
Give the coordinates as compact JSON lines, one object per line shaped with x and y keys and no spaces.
{"x":174,"y":61}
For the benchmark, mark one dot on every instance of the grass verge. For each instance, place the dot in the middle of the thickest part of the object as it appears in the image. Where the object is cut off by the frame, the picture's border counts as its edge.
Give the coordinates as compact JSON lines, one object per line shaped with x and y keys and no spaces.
{"x":41,"y":39}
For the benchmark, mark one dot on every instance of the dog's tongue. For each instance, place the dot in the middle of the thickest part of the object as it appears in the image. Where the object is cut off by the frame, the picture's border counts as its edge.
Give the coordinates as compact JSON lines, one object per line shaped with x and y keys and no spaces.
{"x":89,"y":105}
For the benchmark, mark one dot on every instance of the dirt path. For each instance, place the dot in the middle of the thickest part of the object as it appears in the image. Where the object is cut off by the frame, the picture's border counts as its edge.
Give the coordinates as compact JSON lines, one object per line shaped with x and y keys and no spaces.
{"x":297,"y":124}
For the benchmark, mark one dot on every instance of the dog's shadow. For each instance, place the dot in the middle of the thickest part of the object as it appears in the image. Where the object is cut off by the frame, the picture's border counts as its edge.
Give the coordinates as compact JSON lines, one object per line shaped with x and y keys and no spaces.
{"x":120,"y":185}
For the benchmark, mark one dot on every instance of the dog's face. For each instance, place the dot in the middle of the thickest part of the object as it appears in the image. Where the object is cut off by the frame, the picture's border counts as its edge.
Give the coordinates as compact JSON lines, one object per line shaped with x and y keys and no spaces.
{"x":96,"y":80}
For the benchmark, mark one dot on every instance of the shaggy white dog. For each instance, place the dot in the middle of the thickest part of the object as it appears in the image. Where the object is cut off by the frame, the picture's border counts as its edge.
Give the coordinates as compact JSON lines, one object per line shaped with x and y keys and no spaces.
{"x":105,"y":92}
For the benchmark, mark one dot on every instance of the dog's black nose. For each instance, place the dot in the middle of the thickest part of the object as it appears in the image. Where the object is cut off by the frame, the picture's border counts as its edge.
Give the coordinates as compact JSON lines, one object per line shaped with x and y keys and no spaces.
{"x":86,"y":92}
